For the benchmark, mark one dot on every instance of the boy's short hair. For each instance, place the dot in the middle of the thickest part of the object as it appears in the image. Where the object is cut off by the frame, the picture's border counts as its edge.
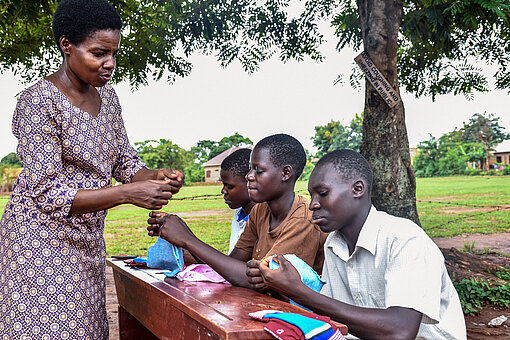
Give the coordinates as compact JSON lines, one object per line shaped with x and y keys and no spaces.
{"x":238,"y":162}
{"x":79,"y":19}
{"x":350,"y":165}
{"x":284,"y":149}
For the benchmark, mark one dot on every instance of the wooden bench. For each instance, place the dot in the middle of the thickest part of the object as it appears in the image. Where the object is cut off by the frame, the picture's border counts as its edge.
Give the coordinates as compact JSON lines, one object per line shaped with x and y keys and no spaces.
{"x":154,"y":307}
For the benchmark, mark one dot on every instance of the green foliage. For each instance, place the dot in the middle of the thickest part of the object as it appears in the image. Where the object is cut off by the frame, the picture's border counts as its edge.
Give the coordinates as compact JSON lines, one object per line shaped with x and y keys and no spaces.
{"x":11,"y":160}
{"x":156,"y":33}
{"x":194,"y":173}
{"x":473,"y":172}
{"x":503,"y":274}
{"x":439,"y":39}
{"x":484,"y":128}
{"x":450,"y":154}
{"x":207,"y":149}
{"x":506,"y":170}
{"x":307,"y":171}
{"x":334,"y":136}
{"x":475,"y":294}
{"x":163,"y":154}
{"x":442,"y":157}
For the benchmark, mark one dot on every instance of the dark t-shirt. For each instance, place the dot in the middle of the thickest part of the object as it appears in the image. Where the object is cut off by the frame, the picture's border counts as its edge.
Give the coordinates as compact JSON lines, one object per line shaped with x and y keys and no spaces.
{"x":295,"y":235}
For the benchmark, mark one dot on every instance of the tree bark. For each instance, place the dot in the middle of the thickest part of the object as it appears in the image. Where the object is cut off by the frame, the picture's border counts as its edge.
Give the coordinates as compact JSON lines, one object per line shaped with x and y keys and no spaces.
{"x":385,"y":144}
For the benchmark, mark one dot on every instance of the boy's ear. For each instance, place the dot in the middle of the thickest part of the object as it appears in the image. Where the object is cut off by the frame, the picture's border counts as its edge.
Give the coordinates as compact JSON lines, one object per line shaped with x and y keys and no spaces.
{"x":358,"y":188}
{"x":287,"y":172}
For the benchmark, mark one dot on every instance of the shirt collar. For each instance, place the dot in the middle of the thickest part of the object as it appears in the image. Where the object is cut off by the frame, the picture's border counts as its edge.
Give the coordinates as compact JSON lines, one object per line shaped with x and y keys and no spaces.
{"x":242,"y":216}
{"x":368,"y":235}
{"x":367,"y":238}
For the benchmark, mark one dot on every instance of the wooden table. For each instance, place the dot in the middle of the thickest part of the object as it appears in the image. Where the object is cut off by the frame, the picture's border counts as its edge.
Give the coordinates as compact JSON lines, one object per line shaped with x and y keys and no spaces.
{"x":151,"y":307}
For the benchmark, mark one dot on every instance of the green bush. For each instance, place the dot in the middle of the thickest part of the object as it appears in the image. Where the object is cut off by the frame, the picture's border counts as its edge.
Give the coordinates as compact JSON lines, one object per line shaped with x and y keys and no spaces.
{"x":420,"y":173}
{"x":472,"y":172}
{"x":492,"y":172}
{"x":474,"y":294}
{"x":506,"y":170}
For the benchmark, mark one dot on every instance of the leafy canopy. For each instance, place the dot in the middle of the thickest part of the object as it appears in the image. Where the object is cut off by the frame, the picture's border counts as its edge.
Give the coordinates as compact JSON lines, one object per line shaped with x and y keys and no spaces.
{"x":334,"y":136}
{"x":207,"y":149}
{"x":450,"y":153}
{"x":11,"y":160}
{"x":440,"y":40}
{"x":163,"y":154}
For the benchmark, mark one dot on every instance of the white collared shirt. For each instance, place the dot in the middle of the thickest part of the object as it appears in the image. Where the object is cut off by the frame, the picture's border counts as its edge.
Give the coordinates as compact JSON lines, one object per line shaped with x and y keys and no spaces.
{"x":395,"y":263}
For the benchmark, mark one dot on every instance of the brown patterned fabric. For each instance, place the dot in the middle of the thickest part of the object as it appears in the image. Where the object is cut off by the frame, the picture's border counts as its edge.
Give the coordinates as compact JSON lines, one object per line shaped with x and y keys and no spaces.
{"x":52,"y":268}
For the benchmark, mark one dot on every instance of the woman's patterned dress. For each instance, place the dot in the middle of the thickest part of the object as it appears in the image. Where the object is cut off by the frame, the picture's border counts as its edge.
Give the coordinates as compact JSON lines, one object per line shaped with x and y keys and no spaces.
{"x":52,"y":264}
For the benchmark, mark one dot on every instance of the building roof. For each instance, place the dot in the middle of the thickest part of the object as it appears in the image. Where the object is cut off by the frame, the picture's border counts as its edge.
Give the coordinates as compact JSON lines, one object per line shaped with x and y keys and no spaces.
{"x":503,"y":146}
{"x":218,"y":159}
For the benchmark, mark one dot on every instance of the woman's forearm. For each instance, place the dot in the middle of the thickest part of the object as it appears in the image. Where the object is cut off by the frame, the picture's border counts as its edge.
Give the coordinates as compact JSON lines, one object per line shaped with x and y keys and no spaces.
{"x":86,"y":201}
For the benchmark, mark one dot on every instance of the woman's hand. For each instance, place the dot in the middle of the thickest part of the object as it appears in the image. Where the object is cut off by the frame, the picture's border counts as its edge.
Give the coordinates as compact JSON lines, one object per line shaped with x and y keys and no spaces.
{"x":152,"y":194}
{"x":174,"y":177}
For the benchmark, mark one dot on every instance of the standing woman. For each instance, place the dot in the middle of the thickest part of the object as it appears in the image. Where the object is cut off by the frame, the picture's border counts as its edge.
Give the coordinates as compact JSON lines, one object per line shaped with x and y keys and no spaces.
{"x":72,"y":141}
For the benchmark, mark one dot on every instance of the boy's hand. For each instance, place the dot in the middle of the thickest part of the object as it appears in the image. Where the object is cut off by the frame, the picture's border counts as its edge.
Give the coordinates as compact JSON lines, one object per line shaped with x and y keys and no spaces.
{"x":155,"y":221}
{"x":174,"y":178}
{"x":284,"y":280}
{"x":254,"y":277}
{"x":171,"y":228}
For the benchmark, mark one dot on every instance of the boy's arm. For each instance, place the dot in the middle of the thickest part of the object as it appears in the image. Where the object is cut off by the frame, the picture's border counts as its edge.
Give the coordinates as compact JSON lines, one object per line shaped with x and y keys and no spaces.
{"x":366,"y":323}
{"x":174,"y":230}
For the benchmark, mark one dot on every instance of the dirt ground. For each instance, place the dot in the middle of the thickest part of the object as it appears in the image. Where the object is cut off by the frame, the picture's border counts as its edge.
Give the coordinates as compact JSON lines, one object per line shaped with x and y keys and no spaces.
{"x":460,"y":265}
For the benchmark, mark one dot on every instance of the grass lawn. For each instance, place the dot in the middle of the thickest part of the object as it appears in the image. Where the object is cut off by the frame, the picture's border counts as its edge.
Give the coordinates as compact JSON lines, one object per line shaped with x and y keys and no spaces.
{"x":447,"y":206}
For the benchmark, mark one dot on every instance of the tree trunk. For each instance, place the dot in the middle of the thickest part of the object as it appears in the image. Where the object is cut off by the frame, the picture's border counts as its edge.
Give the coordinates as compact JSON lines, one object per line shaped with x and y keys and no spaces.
{"x":385,"y":144}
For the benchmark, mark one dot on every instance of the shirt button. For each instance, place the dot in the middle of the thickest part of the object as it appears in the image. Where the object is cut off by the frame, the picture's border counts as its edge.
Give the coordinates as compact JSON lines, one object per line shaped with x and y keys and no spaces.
{"x":350,"y":265}
{"x":356,"y":296}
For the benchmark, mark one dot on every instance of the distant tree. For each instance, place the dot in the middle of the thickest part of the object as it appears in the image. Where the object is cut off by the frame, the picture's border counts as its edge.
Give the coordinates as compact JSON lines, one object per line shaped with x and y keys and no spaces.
{"x":11,"y":160}
{"x":485,"y":129}
{"x":446,"y":156}
{"x":207,"y":149}
{"x":334,"y":136}
{"x":160,"y":154}
{"x":194,"y":173}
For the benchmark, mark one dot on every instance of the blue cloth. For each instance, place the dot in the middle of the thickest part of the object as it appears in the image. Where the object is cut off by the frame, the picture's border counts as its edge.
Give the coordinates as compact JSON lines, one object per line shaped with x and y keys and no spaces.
{"x":311,"y":328}
{"x":308,"y":276}
{"x":140,"y":260}
{"x":165,"y":255}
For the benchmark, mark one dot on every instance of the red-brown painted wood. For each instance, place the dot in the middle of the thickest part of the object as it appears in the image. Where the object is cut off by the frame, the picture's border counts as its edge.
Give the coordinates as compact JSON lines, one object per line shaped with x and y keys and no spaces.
{"x":174,"y":309}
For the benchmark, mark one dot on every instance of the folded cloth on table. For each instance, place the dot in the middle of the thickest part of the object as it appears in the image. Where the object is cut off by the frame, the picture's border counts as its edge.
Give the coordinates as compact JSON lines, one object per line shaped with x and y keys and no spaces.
{"x":308,"y":276}
{"x":289,"y":326}
{"x":139,"y":262}
{"x":200,"y":272}
{"x":165,"y":255}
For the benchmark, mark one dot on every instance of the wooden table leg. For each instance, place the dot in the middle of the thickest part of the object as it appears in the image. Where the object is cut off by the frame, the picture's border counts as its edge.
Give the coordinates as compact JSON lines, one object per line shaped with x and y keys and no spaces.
{"x":131,"y":329}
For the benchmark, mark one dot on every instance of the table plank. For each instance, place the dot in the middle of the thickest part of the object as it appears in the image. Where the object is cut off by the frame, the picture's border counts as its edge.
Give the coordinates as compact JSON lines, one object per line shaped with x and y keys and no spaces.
{"x":174,"y":309}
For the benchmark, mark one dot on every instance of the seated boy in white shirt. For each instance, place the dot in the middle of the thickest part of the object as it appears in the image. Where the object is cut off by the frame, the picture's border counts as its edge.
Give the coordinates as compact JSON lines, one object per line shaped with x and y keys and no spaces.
{"x":234,"y":169}
{"x":385,"y":277}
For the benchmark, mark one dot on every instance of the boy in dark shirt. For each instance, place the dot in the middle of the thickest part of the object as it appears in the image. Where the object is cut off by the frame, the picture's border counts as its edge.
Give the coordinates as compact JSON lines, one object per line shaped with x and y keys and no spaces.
{"x":279,"y":224}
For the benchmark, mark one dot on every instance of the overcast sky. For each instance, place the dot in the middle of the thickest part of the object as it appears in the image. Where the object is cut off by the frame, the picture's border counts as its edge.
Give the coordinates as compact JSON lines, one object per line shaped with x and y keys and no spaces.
{"x":293,"y":98}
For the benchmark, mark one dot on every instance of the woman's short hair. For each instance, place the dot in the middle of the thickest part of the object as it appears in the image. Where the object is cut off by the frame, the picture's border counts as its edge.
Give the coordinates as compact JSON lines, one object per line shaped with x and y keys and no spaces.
{"x":79,"y":19}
